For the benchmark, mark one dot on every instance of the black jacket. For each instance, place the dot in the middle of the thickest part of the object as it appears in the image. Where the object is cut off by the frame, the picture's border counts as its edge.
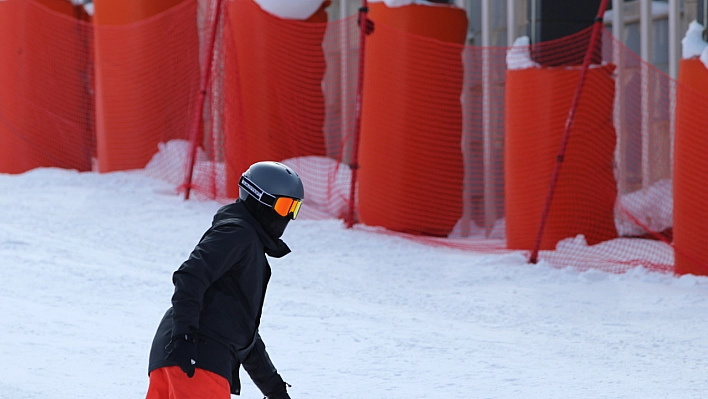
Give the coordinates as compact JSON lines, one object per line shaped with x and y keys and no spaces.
{"x":219,"y":294}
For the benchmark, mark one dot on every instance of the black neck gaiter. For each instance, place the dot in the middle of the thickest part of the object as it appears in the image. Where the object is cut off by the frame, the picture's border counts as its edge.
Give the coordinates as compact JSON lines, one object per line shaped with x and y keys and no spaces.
{"x":272,"y":223}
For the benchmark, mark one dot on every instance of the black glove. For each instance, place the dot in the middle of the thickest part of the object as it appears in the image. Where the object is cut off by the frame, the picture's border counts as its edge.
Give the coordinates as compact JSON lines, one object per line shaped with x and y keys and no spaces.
{"x":280,"y":392}
{"x":182,"y":350}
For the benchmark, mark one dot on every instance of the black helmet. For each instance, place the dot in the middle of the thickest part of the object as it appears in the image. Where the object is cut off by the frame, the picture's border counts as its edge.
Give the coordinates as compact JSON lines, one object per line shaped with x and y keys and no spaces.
{"x":274,"y":185}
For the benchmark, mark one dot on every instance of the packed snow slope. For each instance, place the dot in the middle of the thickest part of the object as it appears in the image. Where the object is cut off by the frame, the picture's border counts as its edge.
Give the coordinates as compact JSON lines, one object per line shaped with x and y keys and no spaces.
{"x":86,"y":263}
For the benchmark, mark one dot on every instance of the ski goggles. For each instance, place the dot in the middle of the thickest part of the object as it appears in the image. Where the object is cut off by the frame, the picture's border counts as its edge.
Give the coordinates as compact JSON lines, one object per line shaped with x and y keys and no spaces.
{"x":283,"y":206}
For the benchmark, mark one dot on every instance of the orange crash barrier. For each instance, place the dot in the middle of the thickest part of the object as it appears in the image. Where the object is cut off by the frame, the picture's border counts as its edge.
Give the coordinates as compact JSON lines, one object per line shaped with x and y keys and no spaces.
{"x":537,"y":105}
{"x":147,"y":76}
{"x":46,"y":109}
{"x":691,"y":170}
{"x":273,"y":87}
{"x":411,"y":122}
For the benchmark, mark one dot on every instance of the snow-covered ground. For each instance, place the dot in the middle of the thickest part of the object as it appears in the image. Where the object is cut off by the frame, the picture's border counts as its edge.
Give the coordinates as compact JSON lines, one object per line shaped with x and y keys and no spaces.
{"x":86,"y":262}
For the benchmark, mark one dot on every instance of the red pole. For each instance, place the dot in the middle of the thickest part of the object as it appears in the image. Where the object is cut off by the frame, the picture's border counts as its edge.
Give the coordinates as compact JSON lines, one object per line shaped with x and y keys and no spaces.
{"x":196,"y":135}
{"x":363,"y":20}
{"x":533,"y":258}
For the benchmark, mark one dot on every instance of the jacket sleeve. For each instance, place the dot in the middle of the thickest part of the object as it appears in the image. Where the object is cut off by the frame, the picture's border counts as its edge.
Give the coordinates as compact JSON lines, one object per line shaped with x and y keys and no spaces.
{"x":262,"y":371}
{"x":220,"y":248}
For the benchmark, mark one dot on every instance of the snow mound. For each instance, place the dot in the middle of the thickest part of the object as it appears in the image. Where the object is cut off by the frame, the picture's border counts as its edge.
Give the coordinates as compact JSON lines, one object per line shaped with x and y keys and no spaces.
{"x":652,"y":207}
{"x":170,"y":164}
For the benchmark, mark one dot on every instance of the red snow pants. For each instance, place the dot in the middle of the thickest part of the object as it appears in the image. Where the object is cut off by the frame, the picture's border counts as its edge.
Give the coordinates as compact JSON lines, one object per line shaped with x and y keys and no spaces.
{"x":172,"y":383}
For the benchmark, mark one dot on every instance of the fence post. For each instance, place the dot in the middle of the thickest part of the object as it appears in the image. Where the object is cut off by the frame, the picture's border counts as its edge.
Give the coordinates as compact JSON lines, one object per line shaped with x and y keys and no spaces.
{"x":594,"y":39}
{"x":363,"y":20}
{"x":197,"y":125}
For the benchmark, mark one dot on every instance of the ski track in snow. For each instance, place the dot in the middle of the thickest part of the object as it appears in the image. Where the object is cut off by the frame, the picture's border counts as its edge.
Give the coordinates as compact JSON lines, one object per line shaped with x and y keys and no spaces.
{"x":87,"y":261}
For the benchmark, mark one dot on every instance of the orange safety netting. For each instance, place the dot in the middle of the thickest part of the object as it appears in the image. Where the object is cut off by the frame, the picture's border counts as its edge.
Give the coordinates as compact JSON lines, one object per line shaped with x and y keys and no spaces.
{"x":456,"y":144}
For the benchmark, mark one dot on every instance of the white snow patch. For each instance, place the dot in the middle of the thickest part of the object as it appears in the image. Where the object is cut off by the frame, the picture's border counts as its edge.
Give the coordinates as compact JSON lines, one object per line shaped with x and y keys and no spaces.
{"x":692,"y":44}
{"x":87,"y":260}
{"x":519,"y":55}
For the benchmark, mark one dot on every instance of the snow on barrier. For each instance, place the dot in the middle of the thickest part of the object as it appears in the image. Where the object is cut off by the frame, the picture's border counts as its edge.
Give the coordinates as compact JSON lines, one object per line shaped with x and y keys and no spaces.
{"x":50,"y":122}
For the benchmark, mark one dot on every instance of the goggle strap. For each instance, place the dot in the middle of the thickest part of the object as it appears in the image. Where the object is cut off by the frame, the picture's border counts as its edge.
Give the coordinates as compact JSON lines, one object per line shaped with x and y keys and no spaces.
{"x":258,"y":193}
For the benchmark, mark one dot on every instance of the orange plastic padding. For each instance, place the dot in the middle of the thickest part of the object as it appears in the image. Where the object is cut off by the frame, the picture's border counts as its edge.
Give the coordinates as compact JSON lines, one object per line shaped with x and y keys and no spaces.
{"x":67,"y":8}
{"x":691,"y":170}
{"x":273,"y":88}
{"x":46,"y":111}
{"x":537,"y":105}
{"x":120,"y":12}
{"x":147,"y":76}
{"x":441,"y":22}
{"x":63,"y":6}
{"x":410,"y":147}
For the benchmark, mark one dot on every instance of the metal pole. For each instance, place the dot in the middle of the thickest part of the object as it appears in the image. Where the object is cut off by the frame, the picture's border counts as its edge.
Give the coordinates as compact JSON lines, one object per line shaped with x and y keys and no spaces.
{"x":674,"y":37}
{"x":510,"y":22}
{"x":674,"y":57}
{"x":533,"y":22}
{"x":489,"y":194}
{"x":618,"y":33}
{"x":467,"y":140}
{"x":486,"y":23}
{"x":645,"y":27}
{"x":197,"y":124}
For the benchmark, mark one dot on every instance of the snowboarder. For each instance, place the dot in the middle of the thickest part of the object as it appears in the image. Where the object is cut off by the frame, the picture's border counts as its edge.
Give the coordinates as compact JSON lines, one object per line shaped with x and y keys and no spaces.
{"x":212,"y":327}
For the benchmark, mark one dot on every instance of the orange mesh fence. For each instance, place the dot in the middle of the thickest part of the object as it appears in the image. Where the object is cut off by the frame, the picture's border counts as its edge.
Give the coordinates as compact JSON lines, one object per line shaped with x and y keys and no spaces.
{"x":453,"y":145}
{"x":457,"y":142}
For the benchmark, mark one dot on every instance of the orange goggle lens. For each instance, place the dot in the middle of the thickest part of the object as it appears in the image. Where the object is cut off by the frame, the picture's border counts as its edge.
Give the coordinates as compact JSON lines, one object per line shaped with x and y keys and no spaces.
{"x":285,"y":206}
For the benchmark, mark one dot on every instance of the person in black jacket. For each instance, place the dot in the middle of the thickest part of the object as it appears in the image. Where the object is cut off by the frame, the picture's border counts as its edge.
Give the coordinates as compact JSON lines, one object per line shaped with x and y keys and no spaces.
{"x":212,"y":327}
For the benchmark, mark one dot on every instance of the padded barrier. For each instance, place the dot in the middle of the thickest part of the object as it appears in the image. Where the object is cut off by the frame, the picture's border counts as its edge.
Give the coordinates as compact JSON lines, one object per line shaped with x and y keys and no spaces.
{"x":691,"y":170}
{"x":410,"y":155}
{"x":147,"y":76}
{"x":537,"y":103}
{"x":46,"y":106}
{"x":273,"y":81}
